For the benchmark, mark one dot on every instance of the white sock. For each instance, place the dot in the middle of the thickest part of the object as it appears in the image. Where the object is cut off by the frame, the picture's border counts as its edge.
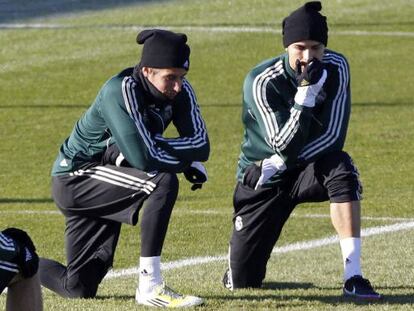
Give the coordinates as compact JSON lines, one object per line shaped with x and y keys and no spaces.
{"x":149,"y":274}
{"x":351,"y":255}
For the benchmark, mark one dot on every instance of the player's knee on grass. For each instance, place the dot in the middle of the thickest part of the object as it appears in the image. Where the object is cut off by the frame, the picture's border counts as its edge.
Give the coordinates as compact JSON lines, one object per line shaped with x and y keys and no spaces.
{"x":247,"y":270}
{"x":85,"y":283}
{"x":247,"y":277}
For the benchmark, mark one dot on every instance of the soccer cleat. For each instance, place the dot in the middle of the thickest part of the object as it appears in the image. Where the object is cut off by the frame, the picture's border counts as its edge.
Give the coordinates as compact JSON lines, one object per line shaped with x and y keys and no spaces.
{"x":164,"y":297}
{"x":358,"y":287}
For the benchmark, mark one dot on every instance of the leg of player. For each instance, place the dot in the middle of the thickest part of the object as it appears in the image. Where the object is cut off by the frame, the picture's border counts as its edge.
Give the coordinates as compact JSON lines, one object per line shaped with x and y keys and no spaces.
{"x":24,"y":294}
{"x":151,"y":290}
{"x":346,"y":219}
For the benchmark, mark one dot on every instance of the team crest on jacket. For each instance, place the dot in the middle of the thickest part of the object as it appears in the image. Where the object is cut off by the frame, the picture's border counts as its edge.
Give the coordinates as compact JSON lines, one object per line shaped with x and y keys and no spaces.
{"x":238,"y":223}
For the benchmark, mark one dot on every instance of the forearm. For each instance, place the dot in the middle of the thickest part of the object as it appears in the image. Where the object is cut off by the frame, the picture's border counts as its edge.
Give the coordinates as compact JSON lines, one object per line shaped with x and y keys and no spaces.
{"x":335,"y":111}
{"x":293,"y":135}
{"x":334,"y":132}
{"x":150,"y":157}
{"x":136,"y":142}
{"x":185,"y":149}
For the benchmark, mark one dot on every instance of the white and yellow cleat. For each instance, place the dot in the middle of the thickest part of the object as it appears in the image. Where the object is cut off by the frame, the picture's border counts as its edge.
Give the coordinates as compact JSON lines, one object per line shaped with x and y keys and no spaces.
{"x":164,"y":297}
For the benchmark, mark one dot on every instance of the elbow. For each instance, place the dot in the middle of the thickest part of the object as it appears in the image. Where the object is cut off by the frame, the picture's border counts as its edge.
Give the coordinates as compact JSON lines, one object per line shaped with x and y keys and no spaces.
{"x":204,"y":157}
{"x":203,"y":153}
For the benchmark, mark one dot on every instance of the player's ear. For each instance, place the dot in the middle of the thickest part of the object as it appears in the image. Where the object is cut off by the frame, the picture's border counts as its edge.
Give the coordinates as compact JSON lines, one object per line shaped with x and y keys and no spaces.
{"x":146,"y":71}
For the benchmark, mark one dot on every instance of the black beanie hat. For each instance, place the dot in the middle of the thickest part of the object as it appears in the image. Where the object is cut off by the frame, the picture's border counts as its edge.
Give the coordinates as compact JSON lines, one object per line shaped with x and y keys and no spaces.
{"x":164,"y":49}
{"x":305,"y":23}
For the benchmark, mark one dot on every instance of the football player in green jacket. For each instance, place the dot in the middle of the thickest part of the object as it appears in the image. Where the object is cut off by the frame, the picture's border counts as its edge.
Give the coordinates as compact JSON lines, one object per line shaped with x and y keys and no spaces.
{"x":296,"y":109}
{"x":116,"y":159}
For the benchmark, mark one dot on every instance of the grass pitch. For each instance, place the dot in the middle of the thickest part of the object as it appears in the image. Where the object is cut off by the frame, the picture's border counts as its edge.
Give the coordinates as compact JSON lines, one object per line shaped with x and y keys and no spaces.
{"x":50,"y":73}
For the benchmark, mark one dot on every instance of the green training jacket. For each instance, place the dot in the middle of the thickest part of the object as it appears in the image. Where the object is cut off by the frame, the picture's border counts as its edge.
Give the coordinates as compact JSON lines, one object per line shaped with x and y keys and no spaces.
{"x":124,"y":114}
{"x":275,"y":124}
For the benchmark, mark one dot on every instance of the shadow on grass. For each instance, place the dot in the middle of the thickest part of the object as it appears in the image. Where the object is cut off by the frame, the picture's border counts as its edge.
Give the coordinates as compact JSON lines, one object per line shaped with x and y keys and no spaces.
{"x":15,"y":11}
{"x":24,"y":200}
{"x":115,"y":297}
{"x":284,"y":299}
{"x":286,"y":285}
{"x":334,"y":300}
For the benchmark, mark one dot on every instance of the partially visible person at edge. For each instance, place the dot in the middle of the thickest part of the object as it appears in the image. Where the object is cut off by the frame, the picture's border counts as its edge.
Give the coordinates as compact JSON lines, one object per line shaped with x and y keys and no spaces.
{"x":296,"y":109}
{"x":116,"y":160}
{"x":18,"y":271}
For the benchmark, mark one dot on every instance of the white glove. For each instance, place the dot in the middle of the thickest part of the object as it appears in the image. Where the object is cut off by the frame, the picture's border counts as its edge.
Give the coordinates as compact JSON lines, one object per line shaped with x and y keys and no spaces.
{"x":309,"y":81}
{"x":306,"y":95}
{"x":270,"y":166}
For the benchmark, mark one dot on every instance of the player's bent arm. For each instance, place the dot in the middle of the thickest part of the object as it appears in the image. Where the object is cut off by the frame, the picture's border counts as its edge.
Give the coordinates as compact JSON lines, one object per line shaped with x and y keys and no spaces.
{"x":192,"y":143}
{"x":339,"y":105}
{"x":119,"y":108}
{"x":285,"y":130}
{"x":198,"y":152}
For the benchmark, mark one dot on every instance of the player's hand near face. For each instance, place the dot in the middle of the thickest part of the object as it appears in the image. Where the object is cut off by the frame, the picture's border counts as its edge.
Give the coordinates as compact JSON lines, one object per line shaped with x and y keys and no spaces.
{"x":310,"y":81}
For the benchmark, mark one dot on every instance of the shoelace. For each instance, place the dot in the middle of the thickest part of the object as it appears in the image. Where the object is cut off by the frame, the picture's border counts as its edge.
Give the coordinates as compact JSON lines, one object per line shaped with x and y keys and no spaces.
{"x":169,"y":292}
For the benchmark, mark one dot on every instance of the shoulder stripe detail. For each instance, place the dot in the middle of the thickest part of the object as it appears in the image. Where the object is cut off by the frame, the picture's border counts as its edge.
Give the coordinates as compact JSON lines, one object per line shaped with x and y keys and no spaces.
{"x":117,"y":178}
{"x":277,"y":138}
{"x":337,"y":113}
{"x":259,"y":96}
{"x":6,"y":243}
{"x":131,"y":105}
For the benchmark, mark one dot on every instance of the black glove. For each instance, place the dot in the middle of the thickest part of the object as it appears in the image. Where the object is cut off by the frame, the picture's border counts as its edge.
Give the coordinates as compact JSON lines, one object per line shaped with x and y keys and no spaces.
{"x":251,"y":175}
{"x":27,"y":259}
{"x":311,"y":74}
{"x":310,"y":82}
{"x":113,"y":155}
{"x":196,"y":174}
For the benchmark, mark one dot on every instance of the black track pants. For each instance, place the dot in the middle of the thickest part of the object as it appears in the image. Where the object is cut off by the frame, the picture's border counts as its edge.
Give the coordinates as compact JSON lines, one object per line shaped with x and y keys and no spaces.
{"x":95,"y":202}
{"x":259,"y":215}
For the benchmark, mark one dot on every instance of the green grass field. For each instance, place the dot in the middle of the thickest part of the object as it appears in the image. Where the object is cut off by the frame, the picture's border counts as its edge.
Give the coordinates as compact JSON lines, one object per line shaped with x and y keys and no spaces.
{"x":50,"y":73}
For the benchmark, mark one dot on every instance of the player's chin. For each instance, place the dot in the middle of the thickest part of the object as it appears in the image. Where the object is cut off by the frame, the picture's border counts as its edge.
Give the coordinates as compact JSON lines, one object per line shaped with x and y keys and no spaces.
{"x":171,"y":95}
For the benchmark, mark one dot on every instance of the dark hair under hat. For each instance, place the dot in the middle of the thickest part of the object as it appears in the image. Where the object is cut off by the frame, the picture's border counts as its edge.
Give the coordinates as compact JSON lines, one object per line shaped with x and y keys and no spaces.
{"x":164,"y":49}
{"x":305,"y":23}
